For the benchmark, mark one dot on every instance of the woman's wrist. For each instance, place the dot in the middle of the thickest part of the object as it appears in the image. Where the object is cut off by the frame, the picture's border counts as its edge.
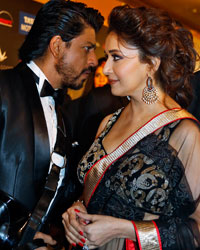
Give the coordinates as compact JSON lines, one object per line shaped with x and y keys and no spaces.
{"x":125,"y":229}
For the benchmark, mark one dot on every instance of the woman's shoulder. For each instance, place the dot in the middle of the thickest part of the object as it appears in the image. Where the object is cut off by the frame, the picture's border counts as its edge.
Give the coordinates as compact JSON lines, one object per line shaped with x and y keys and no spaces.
{"x":188,"y":127}
{"x":108,"y":121}
{"x":182,"y":121}
{"x":103,"y":124}
{"x":186,"y":134}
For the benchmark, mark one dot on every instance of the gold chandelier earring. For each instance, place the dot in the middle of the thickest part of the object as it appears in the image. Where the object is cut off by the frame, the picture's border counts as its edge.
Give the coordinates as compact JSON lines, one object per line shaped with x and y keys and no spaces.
{"x":149,"y":93}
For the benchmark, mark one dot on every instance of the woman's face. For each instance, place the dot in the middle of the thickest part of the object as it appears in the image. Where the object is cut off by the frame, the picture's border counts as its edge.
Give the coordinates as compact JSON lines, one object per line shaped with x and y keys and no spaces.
{"x":127,"y":75}
{"x":99,"y":78}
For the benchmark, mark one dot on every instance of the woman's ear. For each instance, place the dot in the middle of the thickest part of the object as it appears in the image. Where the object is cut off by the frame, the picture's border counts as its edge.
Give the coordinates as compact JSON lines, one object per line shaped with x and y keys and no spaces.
{"x":56,"y":45}
{"x":155,"y":64}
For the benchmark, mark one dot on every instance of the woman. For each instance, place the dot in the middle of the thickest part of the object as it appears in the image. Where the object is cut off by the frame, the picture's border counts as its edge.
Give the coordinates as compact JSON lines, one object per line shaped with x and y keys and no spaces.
{"x":141,"y":174}
{"x":97,"y":78}
{"x":100,"y":79}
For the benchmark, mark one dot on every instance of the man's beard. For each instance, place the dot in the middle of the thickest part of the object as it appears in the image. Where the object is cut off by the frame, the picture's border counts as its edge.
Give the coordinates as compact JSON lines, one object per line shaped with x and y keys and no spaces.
{"x":70,"y":78}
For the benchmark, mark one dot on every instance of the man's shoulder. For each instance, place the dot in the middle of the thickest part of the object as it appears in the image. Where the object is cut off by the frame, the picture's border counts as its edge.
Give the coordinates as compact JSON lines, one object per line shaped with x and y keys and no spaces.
{"x":9,"y":74}
{"x":197,"y":73}
{"x":195,"y":79}
{"x":6,"y":73}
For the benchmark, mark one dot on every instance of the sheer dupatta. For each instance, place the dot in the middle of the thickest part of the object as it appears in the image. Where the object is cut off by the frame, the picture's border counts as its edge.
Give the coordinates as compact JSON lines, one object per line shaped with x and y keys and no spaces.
{"x":185,"y":227}
{"x":181,"y":232}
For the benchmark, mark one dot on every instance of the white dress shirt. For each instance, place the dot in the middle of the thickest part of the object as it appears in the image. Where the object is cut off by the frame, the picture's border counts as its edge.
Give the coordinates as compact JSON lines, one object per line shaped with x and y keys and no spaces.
{"x":48,"y":106}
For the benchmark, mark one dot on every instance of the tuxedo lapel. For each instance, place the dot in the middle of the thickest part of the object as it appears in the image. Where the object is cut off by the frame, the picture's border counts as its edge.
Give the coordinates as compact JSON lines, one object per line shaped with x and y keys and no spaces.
{"x":42,"y":150}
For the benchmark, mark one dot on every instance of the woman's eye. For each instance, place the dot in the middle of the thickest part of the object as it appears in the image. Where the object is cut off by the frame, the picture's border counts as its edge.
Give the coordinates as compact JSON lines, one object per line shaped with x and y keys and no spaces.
{"x":116,"y":57}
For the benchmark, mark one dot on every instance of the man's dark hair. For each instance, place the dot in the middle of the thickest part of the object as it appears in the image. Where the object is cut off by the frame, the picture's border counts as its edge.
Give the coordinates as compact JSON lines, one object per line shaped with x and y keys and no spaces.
{"x":58,"y":17}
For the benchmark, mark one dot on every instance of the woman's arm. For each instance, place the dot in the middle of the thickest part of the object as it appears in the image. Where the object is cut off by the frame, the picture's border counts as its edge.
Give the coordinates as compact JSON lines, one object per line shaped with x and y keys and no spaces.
{"x":102,"y":229}
{"x":181,"y":231}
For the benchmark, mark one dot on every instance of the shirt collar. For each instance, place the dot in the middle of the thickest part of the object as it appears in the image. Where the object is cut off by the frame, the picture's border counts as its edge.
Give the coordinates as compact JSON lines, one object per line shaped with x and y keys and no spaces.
{"x":38,"y":72}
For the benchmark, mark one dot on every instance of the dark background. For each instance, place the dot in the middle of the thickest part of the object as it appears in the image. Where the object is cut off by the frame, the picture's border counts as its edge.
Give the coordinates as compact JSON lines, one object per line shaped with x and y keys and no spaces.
{"x":10,"y":38}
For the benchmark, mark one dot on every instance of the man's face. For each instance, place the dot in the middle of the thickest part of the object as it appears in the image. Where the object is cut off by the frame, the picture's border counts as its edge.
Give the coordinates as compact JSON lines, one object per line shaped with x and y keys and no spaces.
{"x":75,"y":64}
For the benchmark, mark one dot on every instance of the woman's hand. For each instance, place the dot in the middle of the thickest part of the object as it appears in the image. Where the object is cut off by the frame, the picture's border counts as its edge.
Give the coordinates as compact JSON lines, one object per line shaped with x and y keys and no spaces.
{"x":74,"y":225}
{"x":102,"y":229}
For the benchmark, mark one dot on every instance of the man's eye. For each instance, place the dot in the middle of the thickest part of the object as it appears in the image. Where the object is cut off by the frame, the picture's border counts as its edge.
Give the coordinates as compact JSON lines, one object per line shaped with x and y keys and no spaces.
{"x":88,"y":48}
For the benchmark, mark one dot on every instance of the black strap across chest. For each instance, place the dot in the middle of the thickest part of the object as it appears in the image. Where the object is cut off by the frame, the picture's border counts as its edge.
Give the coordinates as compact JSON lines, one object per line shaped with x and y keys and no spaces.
{"x":38,"y":217}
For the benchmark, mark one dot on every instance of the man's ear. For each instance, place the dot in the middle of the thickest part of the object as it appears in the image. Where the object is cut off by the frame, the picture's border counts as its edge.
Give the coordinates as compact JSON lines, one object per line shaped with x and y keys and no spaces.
{"x":56,"y":46}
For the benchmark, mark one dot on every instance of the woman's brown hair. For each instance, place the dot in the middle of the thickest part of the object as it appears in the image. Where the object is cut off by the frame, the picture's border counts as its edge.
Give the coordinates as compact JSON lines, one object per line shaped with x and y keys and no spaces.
{"x":155,"y":34}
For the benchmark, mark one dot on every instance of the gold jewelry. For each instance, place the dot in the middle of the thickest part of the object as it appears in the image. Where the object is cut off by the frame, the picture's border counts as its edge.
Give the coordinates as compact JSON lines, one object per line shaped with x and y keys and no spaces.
{"x":147,"y":235}
{"x":149,"y":93}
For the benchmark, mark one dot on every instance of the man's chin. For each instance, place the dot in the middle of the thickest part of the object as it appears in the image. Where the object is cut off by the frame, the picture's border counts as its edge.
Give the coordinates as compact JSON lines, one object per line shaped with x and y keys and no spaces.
{"x":75,"y":86}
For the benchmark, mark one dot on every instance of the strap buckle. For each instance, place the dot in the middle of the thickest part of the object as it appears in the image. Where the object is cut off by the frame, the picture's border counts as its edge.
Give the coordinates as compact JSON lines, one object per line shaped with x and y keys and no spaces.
{"x":58,"y":160}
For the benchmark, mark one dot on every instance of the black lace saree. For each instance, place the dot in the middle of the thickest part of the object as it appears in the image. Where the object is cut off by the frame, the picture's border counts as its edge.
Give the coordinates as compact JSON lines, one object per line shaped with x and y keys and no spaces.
{"x":157,"y":177}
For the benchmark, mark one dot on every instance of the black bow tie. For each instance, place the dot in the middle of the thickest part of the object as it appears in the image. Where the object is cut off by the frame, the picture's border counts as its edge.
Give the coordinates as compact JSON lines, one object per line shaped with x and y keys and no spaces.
{"x":48,"y":90}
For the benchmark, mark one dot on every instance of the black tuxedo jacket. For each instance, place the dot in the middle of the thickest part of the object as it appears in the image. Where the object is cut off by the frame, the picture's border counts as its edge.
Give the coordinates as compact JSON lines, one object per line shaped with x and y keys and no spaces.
{"x":194,"y":107}
{"x":24,"y":143}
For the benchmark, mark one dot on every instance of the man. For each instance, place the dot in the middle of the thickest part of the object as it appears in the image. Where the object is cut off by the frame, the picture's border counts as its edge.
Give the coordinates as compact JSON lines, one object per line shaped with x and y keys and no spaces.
{"x":59,"y":49}
{"x":194,"y":107}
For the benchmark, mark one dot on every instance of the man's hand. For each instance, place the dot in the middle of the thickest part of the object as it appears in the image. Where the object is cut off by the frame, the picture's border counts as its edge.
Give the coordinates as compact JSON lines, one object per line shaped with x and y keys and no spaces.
{"x":47,"y":239}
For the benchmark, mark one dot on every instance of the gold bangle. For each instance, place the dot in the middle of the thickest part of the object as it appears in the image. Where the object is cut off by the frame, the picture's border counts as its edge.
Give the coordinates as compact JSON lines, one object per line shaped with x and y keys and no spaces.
{"x":147,"y":235}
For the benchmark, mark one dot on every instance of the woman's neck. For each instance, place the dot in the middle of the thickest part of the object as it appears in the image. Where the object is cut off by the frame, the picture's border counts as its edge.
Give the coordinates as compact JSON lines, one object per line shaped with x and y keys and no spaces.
{"x":138,"y":108}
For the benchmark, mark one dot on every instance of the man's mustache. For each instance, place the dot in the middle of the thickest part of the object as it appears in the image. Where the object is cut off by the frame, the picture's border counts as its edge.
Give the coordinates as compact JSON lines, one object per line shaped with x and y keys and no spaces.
{"x":88,"y":70}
